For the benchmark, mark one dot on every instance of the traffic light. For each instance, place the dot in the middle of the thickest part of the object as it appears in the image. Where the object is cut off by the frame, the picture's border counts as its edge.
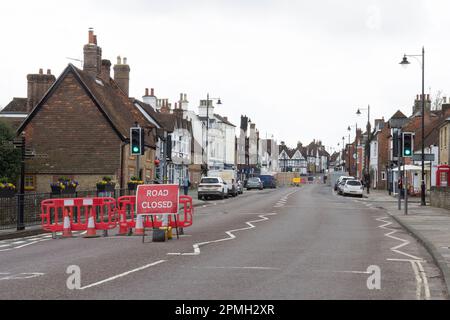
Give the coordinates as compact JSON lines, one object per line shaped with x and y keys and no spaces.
{"x":407,"y":144}
{"x":137,"y":141}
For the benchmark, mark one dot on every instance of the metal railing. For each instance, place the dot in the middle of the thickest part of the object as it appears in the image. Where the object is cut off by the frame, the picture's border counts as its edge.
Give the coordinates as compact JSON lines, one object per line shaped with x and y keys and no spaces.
{"x":10,"y":207}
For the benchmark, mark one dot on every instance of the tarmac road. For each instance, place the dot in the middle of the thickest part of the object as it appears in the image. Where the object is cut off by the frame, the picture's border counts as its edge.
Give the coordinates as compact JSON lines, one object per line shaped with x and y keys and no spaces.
{"x":288,"y":243}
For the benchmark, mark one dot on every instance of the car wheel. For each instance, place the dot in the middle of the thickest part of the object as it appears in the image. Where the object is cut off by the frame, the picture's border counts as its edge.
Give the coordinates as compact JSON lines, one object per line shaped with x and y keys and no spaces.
{"x":222,"y":196}
{"x":200,"y":197}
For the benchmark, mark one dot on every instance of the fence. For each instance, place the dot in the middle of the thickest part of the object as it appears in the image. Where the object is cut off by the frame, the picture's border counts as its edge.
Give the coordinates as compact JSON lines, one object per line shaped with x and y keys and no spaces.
{"x":9,"y":207}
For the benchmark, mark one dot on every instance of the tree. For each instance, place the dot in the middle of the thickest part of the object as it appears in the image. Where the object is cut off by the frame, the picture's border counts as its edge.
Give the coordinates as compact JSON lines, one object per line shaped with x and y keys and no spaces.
{"x":9,"y":156}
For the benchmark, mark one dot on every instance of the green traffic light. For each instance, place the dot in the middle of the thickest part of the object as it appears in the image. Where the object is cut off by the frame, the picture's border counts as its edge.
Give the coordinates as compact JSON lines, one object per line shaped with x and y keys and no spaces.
{"x":408,"y":152}
{"x":135,"y":149}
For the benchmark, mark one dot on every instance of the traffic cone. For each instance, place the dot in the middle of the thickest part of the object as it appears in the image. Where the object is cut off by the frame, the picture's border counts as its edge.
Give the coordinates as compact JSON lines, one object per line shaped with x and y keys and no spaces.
{"x":123,"y":225}
{"x":67,"y":230}
{"x":139,"y":230}
{"x":91,"y":231}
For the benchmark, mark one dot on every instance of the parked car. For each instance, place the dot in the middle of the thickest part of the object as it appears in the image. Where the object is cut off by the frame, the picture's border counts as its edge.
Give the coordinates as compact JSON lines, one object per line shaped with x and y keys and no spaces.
{"x":254,"y":183}
{"x":212,"y":187}
{"x":268,"y":181}
{"x":339,"y":180}
{"x":240,"y":187}
{"x":353,"y":187}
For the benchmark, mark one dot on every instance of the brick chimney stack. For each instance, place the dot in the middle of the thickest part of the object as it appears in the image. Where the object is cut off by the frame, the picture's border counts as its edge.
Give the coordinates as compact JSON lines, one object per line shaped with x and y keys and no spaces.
{"x":105,"y":74}
{"x":122,"y":75}
{"x":92,"y":56}
{"x":38,"y":84}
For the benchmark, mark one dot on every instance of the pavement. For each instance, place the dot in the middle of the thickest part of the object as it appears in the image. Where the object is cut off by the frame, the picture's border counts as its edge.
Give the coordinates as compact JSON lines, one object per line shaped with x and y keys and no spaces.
{"x":429,"y":225}
{"x":283,"y":244}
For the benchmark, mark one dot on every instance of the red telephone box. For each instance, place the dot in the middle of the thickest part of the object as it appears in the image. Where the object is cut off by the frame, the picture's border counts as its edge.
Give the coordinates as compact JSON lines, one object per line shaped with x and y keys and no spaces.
{"x":443,"y":176}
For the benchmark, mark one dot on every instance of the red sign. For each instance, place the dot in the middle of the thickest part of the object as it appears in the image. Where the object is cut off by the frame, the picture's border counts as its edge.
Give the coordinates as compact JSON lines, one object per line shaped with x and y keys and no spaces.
{"x":157,"y":198}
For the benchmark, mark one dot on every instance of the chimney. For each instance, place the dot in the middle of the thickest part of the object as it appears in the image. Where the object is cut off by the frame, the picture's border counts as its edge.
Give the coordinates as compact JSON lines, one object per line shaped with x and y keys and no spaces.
{"x":105,"y":74}
{"x":122,"y":75}
{"x":184,"y":104}
{"x":165,"y":106}
{"x":92,"y":56}
{"x":150,"y":98}
{"x":38,"y":84}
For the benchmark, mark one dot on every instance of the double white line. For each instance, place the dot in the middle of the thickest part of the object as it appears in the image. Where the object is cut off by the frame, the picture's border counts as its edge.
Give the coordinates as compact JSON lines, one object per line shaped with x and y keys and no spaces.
{"x":416,"y":262}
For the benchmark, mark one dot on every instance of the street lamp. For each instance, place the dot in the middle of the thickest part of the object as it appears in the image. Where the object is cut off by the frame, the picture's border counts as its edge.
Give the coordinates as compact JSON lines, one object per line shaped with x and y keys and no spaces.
{"x":367,"y":160}
{"x":207,"y":127}
{"x":404,"y":63}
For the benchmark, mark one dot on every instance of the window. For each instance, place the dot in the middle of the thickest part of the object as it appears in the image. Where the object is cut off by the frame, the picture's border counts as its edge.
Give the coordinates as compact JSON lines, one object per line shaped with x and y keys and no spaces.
{"x":383,"y":176}
{"x":30,"y":182}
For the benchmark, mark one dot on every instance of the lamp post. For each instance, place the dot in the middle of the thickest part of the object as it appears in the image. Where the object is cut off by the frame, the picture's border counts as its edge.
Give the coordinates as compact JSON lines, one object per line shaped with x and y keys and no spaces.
{"x":367,"y":160}
{"x":405,"y":63}
{"x":356,"y":147}
{"x":207,"y":128}
{"x":342,"y":158}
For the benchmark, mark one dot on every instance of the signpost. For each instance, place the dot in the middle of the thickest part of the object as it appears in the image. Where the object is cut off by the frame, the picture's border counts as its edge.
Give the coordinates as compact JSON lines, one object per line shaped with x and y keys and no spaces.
{"x":158,"y":199}
{"x":428,"y":157}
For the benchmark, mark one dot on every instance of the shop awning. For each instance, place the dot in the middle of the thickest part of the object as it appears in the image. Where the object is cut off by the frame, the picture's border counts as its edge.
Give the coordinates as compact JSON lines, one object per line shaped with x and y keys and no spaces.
{"x":410,"y":167}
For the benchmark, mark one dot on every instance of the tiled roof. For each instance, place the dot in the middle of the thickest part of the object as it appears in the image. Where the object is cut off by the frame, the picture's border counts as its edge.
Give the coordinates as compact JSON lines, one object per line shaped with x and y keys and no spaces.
{"x":18,"y":105}
{"x":117,"y":108}
{"x":398,"y":115}
{"x":170,"y":120}
{"x":223,"y":120}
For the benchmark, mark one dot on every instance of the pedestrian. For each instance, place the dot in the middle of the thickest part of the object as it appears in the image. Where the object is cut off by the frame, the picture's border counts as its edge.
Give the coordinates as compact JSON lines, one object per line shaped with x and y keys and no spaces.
{"x":186,"y":184}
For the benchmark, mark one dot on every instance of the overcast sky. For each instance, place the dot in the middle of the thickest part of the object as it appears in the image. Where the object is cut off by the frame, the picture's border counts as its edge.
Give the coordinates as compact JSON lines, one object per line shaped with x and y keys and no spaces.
{"x":298,"y":69}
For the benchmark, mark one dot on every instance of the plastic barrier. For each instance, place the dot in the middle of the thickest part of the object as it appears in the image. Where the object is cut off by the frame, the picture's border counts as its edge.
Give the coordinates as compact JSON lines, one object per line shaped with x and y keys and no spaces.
{"x":185,"y":218}
{"x":127,"y":207}
{"x":79,"y":210}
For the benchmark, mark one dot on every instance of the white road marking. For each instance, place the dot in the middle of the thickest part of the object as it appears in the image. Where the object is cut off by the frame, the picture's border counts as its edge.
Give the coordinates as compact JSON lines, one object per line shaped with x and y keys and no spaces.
{"x":355,"y":272}
{"x":425,"y":281}
{"x":22,"y":276}
{"x":122,"y":274}
{"x":243,"y":268}
{"x":418,"y":280}
{"x":18,"y":242}
{"x":416,"y":262}
{"x":22,"y":246}
{"x":230,"y":234}
{"x":390,"y":235}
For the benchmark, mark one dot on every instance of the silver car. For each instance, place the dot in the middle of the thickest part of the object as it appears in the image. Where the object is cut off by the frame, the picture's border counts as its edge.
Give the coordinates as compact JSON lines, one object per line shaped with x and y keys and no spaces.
{"x":255,"y":183}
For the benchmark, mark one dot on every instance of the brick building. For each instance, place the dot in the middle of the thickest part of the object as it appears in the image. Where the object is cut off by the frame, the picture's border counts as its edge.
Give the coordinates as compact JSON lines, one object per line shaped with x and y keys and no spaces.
{"x":79,"y":126}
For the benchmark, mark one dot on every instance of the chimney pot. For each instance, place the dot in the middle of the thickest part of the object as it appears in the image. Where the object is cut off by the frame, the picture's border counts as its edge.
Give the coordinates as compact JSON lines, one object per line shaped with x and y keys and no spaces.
{"x":91,"y":36}
{"x":119,"y":60}
{"x":152,"y":92}
{"x":49,"y":72}
{"x":124,"y":60}
{"x":41,"y":71}
{"x":146,"y":91}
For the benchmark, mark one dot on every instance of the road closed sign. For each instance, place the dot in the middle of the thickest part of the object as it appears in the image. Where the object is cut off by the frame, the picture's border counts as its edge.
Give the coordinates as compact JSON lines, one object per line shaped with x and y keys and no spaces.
{"x":157,"y":198}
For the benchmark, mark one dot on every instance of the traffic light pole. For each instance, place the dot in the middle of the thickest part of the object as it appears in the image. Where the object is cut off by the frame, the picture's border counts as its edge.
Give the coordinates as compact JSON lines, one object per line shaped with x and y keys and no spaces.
{"x":399,"y":150}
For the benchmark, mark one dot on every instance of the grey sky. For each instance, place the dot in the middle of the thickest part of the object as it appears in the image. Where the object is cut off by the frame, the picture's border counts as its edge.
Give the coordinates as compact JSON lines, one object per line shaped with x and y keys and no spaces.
{"x":299,"y":69}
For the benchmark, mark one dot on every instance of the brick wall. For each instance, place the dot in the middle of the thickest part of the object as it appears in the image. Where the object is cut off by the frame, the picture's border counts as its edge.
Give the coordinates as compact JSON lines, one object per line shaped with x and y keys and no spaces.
{"x":71,"y":136}
{"x":440,"y":197}
{"x":383,"y":156}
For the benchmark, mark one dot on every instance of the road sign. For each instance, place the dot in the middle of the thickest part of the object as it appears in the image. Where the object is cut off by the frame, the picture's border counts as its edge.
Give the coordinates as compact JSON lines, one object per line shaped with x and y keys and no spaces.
{"x":428,"y":157}
{"x":296,"y":180}
{"x":157,"y":198}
